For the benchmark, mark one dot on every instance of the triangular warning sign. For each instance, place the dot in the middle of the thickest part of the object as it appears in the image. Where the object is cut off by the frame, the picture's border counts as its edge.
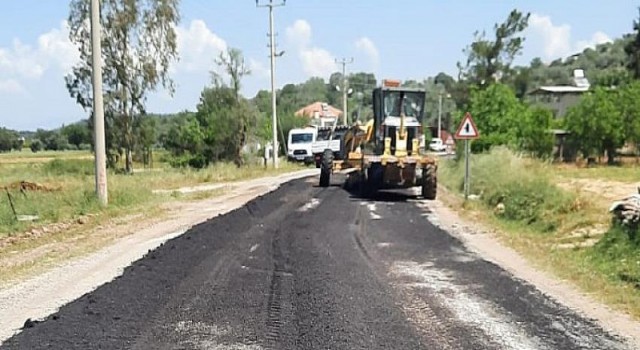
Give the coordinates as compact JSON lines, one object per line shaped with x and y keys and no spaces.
{"x":467,"y":129}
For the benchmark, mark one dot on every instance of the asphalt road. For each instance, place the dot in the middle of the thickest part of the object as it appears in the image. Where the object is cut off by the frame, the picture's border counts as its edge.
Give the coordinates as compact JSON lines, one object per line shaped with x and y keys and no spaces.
{"x":312,"y":268}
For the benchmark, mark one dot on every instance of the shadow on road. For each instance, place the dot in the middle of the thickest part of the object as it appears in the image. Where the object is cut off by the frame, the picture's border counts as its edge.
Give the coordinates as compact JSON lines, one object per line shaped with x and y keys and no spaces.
{"x":384,"y":196}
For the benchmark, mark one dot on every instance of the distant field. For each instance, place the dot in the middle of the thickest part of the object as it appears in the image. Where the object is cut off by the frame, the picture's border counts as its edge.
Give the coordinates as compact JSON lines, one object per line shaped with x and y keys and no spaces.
{"x":630,"y":172}
{"x":67,"y":180}
{"x":26,"y":156}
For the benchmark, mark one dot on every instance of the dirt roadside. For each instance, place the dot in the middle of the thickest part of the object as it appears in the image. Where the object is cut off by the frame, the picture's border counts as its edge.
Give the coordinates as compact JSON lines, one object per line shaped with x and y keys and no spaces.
{"x":481,"y":240}
{"x":42,"y":295}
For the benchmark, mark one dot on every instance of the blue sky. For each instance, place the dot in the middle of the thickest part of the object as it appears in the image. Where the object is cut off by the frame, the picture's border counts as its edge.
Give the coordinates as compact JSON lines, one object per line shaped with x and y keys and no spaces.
{"x":395,"y":39}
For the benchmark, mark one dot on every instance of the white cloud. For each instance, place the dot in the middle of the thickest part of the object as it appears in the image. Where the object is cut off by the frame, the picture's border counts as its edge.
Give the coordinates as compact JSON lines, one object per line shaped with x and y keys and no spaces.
{"x":299,"y":34}
{"x":198,"y":46}
{"x":57,"y":46}
{"x":596,"y":39}
{"x":557,"y":39}
{"x":12,"y":86}
{"x":316,"y":62}
{"x":367,"y":46}
{"x":258,"y":69}
{"x":53,"y":50}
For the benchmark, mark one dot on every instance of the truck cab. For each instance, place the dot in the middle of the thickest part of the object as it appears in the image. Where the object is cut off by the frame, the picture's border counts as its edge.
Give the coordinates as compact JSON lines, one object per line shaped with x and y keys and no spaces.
{"x":299,"y":144}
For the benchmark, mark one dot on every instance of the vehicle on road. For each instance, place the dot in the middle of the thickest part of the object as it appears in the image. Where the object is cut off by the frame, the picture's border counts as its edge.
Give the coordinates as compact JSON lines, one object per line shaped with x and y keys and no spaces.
{"x":437,"y":145}
{"x":299,"y":144}
{"x":328,"y":137}
{"x":384,"y":153}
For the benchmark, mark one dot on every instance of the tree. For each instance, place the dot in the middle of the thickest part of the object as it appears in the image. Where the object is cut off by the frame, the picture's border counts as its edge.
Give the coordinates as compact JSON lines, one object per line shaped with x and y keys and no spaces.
{"x":497,"y":113}
{"x":77,"y":134}
{"x":18,"y":144}
{"x":36,"y":146}
{"x":232,"y":62}
{"x":220,"y":128}
{"x":596,"y":124}
{"x":629,"y":105}
{"x":534,"y":133}
{"x":147,"y":138}
{"x":139,"y":44}
{"x":632,"y":49}
{"x":52,"y":140}
{"x":7,"y":139}
{"x":223,"y":122}
{"x":486,"y":58}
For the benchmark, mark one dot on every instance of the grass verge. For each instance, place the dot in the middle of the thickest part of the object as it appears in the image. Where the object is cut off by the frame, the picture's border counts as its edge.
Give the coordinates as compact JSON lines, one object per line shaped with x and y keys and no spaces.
{"x":67,"y":189}
{"x":519,"y":198}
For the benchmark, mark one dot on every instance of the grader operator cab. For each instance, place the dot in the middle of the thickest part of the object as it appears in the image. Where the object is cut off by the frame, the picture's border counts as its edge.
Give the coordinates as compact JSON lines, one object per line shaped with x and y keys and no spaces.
{"x":384,"y":153}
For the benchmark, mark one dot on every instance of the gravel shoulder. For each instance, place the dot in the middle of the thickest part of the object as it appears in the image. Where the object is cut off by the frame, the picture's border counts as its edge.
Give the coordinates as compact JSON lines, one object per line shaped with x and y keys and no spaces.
{"x":482,"y":241}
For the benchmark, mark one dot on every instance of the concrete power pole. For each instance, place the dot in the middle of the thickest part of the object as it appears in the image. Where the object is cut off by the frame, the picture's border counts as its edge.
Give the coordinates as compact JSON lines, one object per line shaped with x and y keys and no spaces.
{"x":273,"y":55}
{"x":440,"y":115}
{"x":344,"y":63}
{"x":98,"y":105}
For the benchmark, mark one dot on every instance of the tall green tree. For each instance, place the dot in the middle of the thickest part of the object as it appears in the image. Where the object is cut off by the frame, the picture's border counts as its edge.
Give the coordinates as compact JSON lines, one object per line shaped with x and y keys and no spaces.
{"x":596,"y":124}
{"x":487,"y":58}
{"x":632,"y":49}
{"x":233,"y":64}
{"x":629,"y":105}
{"x":138,"y":46}
{"x":7,"y":139}
{"x":497,"y":113}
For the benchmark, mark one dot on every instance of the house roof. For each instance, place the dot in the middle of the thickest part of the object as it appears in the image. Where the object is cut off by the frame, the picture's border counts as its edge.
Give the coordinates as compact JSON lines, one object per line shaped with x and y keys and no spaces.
{"x":322,"y":109}
{"x":447,"y":138}
{"x":560,"y":89}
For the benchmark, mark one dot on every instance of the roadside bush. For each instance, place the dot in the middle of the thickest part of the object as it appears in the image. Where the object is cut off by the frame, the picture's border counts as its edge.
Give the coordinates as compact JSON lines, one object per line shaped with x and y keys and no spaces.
{"x":197,"y":161}
{"x":522,"y":185}
{"x":36,"y":146}
{"x":617,"y":255}
{"x":70,"y":167}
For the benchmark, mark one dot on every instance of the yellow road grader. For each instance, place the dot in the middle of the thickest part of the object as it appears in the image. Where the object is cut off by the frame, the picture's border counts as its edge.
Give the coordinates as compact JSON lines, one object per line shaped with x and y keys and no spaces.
{"x":385,"y":153}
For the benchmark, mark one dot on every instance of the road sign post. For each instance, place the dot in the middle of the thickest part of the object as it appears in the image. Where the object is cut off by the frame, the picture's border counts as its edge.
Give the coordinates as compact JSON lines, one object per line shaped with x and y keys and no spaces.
{"x":467,"y":131}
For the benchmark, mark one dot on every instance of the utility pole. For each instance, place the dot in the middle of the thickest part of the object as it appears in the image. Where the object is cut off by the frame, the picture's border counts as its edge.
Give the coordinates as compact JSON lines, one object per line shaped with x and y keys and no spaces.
{"x":98,"y":105}
{"x":440,"y":115}
{"x":344,"y":63}
{"x":274,"y":119}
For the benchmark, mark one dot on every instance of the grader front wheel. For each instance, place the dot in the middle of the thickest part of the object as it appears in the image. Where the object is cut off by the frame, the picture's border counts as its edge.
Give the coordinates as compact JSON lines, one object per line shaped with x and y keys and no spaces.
{"x":429,"y":182}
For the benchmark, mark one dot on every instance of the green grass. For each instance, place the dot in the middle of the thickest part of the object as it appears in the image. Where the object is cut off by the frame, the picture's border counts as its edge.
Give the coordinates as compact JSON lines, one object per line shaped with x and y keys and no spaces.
{"x":27,"y":155}
{"x":524,"y":187}
{"x":539,"y":214}
{"x":626,"y":173}
{"x":71,"y":181}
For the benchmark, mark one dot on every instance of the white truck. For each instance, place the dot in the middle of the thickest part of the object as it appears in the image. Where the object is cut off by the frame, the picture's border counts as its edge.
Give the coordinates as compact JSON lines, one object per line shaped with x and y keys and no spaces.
{"x":299,"y":144}
{"x":324,"y":140}
{"x":437,"y":145}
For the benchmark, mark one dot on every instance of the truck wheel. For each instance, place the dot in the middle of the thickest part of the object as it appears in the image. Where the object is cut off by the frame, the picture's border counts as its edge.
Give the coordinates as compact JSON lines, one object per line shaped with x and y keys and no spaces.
{"x":429,"y":182}
{"x":325,"y":168}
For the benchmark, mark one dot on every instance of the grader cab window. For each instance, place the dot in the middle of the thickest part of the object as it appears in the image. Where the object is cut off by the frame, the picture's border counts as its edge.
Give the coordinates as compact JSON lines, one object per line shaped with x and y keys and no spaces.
{"x":396,"y":102}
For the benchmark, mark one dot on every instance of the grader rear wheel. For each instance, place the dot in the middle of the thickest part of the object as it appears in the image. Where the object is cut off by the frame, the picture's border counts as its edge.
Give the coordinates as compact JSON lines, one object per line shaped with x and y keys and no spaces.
{"x":429,"y":182}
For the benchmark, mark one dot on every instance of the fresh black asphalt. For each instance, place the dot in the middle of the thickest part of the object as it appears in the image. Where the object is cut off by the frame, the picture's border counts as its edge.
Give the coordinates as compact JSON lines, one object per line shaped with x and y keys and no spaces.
{"x":315,"y":268}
